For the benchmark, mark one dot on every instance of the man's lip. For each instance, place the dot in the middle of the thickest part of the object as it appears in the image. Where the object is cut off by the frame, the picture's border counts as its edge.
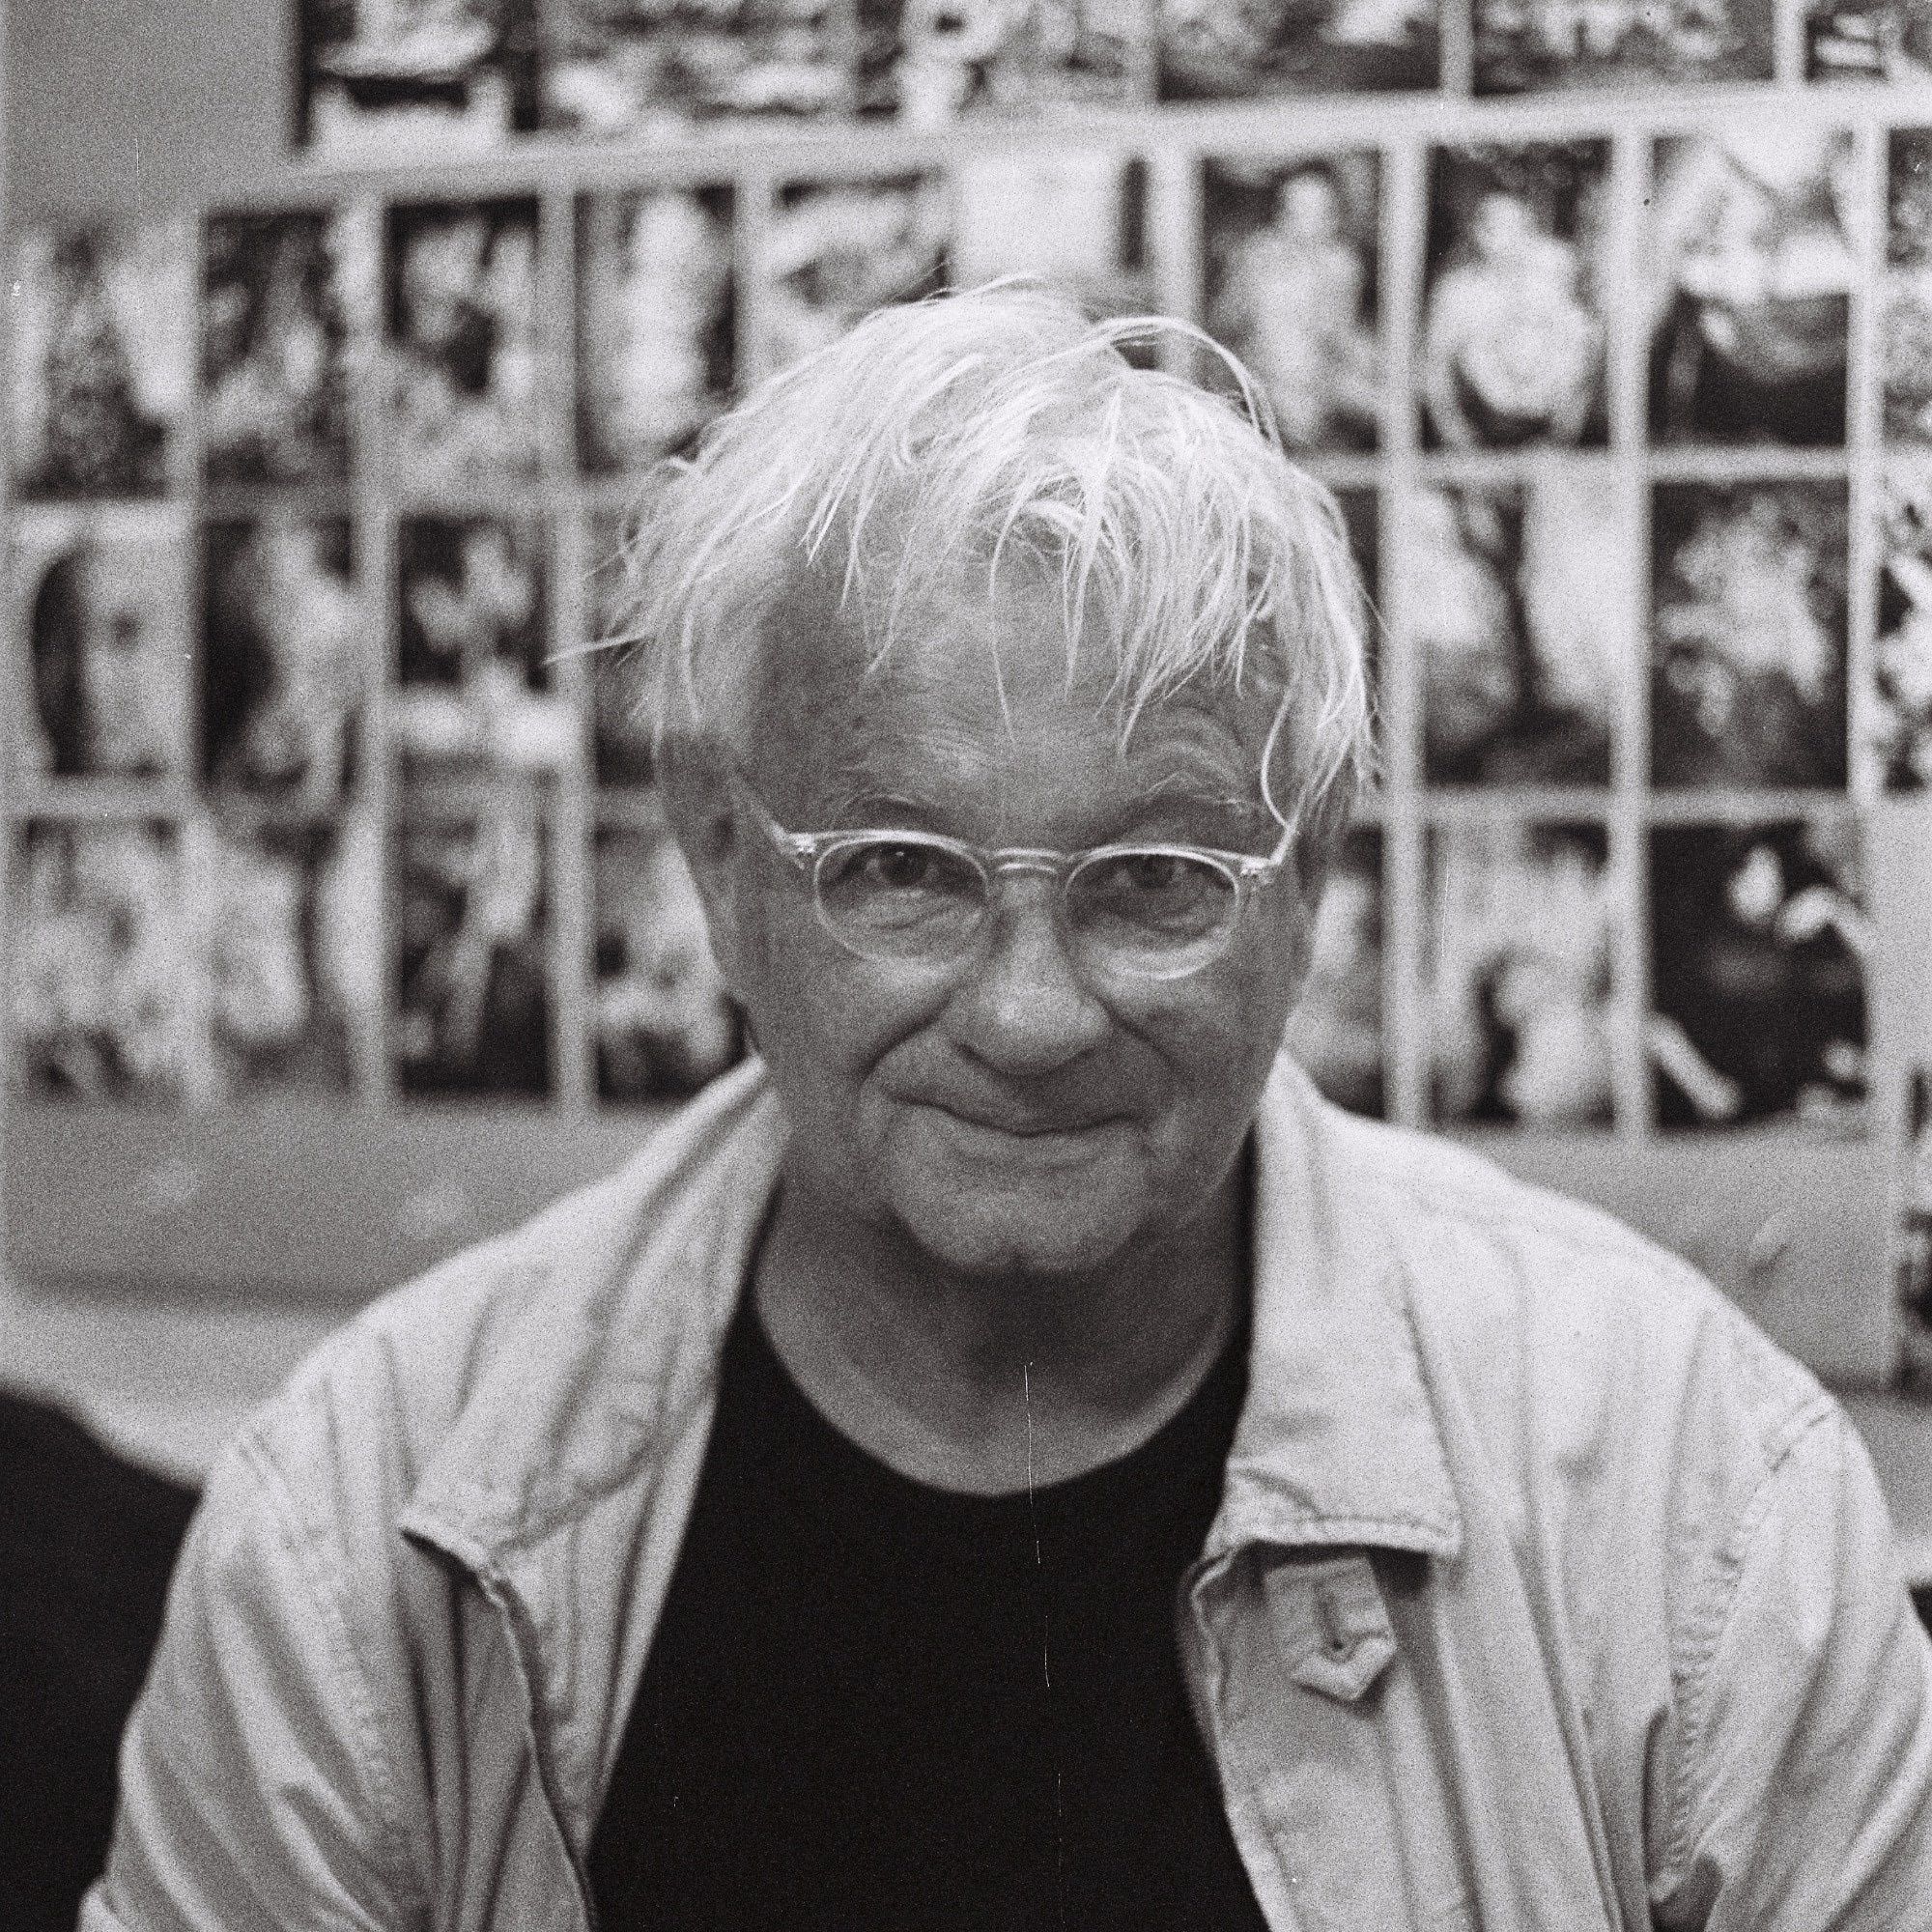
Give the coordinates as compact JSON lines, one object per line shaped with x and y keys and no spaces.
{"x":1022,"y":1126}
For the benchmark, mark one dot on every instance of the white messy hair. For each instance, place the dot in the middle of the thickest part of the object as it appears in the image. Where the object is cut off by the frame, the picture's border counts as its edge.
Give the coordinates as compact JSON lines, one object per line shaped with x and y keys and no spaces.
{"x":974,"y":431}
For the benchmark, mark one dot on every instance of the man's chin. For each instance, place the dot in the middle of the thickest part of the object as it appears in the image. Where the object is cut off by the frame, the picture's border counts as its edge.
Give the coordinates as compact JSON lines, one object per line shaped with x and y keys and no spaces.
{"x":1031,"y":1229}
{"x":1013,"y":1248}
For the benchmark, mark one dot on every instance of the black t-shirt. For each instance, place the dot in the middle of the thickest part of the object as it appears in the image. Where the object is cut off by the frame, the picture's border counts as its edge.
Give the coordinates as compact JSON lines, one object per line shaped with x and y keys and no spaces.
{"x":873,"y":1704}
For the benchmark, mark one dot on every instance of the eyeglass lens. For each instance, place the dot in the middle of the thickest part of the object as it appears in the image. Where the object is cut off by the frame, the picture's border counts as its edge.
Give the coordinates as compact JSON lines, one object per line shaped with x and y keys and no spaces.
{"x":1144,"y":911}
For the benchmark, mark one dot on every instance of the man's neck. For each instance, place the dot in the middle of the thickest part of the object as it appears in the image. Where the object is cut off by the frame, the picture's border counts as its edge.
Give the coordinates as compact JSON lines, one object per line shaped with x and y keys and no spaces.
{"x":994,"y":1385}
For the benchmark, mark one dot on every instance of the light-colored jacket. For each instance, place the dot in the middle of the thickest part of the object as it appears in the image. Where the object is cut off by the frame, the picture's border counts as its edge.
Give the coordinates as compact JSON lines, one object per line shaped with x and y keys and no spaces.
{"x":1544,"y":1595}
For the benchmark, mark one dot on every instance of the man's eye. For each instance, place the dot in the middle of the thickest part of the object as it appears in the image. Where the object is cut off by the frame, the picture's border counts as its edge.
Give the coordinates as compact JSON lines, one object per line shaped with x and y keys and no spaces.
{"x":900,"y":868}
{"x":1147,"y":873}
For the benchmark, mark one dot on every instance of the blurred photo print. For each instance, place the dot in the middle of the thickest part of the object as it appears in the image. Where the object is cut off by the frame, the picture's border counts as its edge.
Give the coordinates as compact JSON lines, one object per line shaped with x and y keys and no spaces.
{"x":1072,"y":216}
{"x":620,"y":735}
{"x":1747,"y":639}
{"x":1520,"y":599}
{"x":289,"y":928}
{"x":1336,"y":1029}
{"x":1758,"y":941}
{"x":664,"y":1022}
{"x":1232,"y":49}
{"x":1528,"y":44}
{"x":285,"y":658}
{"x":101,"y":631}
{"x":1519,"y":966}
{"x":837,"y":250}
{"x":1901,"y":701}
{"x":1869,"y":40}
{"x":104,"y":1004}
{"x":640,"y":67}
{"x":100,"y":326}
{"x":1750,"y":270}
{"x":380,"y":78}
{"x":463,"y":336}
{"x":280,"y":295}
{"x":1906,"y":294}
{"x":474,"y":689}
{"x":929,"y":62}
{"x":1290,"y":257}
{"x":470,"y":922}
{"x":1512,"y":338}
{"x":655,"y":317}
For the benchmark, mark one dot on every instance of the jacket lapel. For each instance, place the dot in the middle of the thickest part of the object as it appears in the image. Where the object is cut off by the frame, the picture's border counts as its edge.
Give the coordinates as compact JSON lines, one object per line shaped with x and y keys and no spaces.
{"x":1369,"y":1664}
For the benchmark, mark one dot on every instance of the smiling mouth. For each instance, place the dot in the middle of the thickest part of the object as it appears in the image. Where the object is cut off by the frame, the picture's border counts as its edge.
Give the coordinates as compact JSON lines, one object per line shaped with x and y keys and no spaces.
{"x":1025,"y":1129}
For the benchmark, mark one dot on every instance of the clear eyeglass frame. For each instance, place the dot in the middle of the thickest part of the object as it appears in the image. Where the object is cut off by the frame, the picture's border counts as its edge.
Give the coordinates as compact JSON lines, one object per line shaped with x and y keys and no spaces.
{"x":811,"y":852}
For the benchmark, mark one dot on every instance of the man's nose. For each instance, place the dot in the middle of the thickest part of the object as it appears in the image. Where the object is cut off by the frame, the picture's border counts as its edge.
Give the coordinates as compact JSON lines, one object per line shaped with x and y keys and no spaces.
{"x":1023,"y":1007}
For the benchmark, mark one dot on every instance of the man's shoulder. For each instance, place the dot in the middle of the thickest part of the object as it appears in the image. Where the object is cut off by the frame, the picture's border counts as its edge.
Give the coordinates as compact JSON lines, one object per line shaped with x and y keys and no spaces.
{"x":519,"y":1340}
{"x":1544,"y":1308}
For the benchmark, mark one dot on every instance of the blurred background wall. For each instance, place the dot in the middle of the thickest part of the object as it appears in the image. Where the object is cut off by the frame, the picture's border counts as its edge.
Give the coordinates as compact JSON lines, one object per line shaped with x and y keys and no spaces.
{"x":340,"y":924}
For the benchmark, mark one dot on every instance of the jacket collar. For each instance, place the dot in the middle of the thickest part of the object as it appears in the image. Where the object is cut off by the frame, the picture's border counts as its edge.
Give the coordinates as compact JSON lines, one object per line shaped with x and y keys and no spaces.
{"x":1338,"y":1442}
{"x":610,"y":1349}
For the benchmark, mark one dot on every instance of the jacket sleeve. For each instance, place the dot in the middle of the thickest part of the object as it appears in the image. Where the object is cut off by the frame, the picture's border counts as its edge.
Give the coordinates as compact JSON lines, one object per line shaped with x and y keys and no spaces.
{"x":253,"y":1786}
{"x":1803,"y":1790}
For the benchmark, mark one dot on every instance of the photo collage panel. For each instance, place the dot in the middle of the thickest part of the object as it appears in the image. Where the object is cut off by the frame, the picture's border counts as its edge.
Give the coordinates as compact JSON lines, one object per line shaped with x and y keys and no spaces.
{"x":330,"y":767}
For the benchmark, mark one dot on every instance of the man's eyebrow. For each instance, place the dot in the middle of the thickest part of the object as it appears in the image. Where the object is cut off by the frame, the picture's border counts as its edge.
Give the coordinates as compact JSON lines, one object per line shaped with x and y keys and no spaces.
{"x":1180,"y":788}
{"x":862,"y":802}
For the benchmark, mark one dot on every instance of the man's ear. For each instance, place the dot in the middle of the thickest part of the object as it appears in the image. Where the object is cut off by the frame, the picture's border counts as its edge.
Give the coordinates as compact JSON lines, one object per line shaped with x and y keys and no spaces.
{"x":692,"y":774}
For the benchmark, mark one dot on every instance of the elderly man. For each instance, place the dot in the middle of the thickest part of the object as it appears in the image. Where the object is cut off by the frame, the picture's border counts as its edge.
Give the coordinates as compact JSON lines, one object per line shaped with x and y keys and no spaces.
{"x":1013,"y":1457}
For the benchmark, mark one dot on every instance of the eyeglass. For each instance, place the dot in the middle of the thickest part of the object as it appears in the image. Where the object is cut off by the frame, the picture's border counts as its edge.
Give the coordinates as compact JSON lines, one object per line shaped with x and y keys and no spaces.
{"x":1144,"y":912}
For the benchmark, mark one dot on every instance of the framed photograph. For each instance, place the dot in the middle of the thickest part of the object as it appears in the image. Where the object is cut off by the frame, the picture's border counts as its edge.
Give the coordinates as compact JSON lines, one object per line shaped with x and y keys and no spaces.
{"x":466,"y":363}
{"x":1522,"y":45}
{"x":472,"y":988}
{"x":928,"y":62}
{"x":1519,"y":975}
{"x":620,"y":735}
{"x":280,"y":295}
{"x":1362,"y":519}
{"x":1907,"y":291}
{"x":1900,"y":719}
{"x":1868,"y":40}
{"x":1510,"y":352}
{"x":473,"y":668}
{"x":100,"y":322}
{"x":1747,"y":639}
{"x":664,"y":1022}
{"x":1336,"y":1029}
{"x":292,"y":952}
{"x":631,"y":67}
{"x":287,"y":656}
{"x":1222,"y":50}
{"x":1074,"y":217}
{"x":837,"y":250}
{"x":103,"y":965}
{"x":656,"y":311}
{"x":1289,"y":260}
{"x":378,"y":79}
{"x":1520,"y":606}
{"x":1751,"y":272}
{"x":103,"y":642}
{"x":1758,"y":940}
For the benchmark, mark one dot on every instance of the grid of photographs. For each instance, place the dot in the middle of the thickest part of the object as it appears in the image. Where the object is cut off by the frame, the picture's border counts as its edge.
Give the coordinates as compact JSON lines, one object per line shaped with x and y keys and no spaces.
{"x":327,"y":775}
{"x":379,"y":79}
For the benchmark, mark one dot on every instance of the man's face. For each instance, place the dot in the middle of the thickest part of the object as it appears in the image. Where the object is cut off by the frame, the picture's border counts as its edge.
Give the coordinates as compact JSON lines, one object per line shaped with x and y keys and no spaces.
{"x":1007,"y":1113}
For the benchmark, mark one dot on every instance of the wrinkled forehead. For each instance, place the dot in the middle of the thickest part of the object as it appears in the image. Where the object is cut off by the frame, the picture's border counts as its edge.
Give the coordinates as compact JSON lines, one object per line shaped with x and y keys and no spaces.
{"x":980,"y":670}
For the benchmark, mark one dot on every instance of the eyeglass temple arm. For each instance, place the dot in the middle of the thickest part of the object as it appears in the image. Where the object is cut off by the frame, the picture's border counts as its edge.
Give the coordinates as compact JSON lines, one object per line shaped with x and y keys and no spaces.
{"x":1257,"y":868}
{"x":799,"y":848}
